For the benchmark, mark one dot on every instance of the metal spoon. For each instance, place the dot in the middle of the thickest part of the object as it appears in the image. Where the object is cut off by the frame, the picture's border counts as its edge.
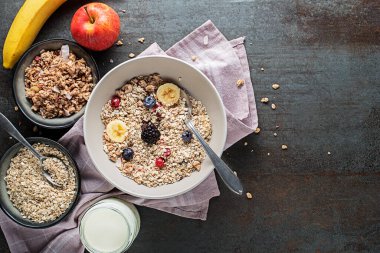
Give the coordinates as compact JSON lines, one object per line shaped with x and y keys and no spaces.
{"x":12,"y":130}
{"x":227,"y":175}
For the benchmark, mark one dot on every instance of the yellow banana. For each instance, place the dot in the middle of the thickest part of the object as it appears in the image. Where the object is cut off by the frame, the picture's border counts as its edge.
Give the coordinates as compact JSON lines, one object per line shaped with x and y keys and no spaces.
{"x":168,"y":94}
{"x":25,"y":27}
{"x":117,"y":130}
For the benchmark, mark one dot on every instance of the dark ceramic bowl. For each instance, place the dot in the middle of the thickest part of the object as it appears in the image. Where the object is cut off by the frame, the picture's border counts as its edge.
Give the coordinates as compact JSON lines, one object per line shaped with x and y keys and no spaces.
{"x":19,"y":82}
{"x":6,"y":204}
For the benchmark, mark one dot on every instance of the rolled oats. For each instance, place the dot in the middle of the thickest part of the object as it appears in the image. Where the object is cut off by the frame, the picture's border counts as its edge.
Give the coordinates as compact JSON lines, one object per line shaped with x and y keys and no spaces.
{"x":275,"y":86}
{"x":240,"y":83}
{"x":29,"y":191}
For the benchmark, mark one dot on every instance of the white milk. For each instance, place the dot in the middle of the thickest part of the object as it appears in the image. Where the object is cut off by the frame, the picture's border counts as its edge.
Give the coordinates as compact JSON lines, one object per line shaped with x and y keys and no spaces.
{"x":110,"y":225}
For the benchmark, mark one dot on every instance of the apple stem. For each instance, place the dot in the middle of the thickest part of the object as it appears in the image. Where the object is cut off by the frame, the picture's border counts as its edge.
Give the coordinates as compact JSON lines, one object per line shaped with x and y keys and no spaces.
{"x":91,"y":18}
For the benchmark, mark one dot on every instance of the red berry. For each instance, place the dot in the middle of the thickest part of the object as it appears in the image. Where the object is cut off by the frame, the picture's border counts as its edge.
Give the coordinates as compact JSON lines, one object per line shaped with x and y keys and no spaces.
{"x":167,"y":152}
{"x":155,"y":106}
{"x":37,"y":58}
{"x":160,"y":162}
{"x":115,"y":101}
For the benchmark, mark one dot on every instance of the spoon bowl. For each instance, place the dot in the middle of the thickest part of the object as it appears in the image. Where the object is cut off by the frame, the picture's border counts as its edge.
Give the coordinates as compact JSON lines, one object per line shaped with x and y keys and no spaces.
{"x":7,"y":205}
{"x":12,"y":130}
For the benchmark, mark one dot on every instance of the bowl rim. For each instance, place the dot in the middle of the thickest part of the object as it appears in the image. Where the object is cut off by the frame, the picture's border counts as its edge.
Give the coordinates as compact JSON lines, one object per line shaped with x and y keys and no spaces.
{"x":95,"y":71}
{"x":44,"y":140}
{"x":86,"y":123}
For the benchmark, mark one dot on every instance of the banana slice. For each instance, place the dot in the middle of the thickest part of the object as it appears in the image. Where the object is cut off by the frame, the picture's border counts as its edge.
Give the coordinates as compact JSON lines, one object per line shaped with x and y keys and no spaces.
{"x":168,"y":94}
{"x":116,"y":130}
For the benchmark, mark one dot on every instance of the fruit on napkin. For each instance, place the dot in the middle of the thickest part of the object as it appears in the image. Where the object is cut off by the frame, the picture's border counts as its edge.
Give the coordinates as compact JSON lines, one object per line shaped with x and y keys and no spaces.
{"x":95,"y":26}
{"x":25,"y":27}
{"x":168,"y":94}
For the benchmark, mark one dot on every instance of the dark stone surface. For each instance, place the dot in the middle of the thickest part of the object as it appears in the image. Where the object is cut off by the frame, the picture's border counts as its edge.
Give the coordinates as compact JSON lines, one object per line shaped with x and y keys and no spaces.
{"x":325,"y":55}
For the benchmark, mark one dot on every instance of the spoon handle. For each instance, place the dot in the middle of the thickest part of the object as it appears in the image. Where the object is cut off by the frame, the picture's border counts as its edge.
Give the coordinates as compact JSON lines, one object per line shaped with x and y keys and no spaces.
{"x":12,"y":130}
{"x":227,"y":175}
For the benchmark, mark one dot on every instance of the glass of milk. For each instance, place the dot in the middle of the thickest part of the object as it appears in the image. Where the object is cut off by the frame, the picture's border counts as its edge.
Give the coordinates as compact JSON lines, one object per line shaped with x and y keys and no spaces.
{"x":110,"y":225}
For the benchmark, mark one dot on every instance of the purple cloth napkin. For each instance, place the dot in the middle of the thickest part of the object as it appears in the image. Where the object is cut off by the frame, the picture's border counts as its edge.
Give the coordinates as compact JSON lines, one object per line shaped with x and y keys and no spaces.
{"x":224,"y":62}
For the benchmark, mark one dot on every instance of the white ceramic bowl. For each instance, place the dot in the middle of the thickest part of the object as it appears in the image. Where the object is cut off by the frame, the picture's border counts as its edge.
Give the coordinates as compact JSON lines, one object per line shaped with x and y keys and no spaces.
{"x":194,"y":81}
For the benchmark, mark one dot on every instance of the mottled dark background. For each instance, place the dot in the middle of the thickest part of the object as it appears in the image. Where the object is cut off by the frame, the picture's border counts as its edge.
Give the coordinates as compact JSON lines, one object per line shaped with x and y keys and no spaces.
{"x":325,"y":55}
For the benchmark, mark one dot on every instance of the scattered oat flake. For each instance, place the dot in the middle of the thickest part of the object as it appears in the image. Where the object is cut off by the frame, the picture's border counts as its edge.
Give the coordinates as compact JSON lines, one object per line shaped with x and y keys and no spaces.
{"x":111,"y":61}
{"x":240,"y":82}
{"x":264,"y":100}
{"x":268,"y":154}
{"x":329,"y":153}
{"x":249,"y":195}
{"x":123,"y":11}
{"x":251,"y":150}
{"x":262,"y":69}
{"x":194,"y":58}
{"x":275,"y":86}
{"x":235,"y":173}
{"x":257,"y":130}
{"x":141,"y":40}
{"x":245,"y":143}
{"x":273,"y":106}
{"x":119,"y":43}
{"x":275,"y":134}
{"x":10,"y":137}
{"x":35,"y":129}
{"x":284,"y":147}
{"x":205,"y":40}
{"x":131,"y":55}
{"x":16,"y":108}
{"x":277,"y":127}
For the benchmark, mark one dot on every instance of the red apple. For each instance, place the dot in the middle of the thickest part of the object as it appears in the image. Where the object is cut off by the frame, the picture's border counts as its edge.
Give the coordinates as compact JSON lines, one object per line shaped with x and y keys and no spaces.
{"x":95,"y":26}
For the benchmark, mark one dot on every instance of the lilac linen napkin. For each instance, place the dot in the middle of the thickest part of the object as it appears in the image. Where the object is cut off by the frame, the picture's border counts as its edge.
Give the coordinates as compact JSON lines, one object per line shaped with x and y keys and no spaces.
{"x":224,"y":62}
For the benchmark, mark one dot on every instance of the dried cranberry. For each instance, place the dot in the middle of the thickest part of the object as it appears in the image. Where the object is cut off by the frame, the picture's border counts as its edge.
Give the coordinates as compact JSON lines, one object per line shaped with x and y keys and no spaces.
{"x":115,"y":101}
{"x":167,"y":152}
{"x":160,"y":162}
{"x":37,"y":58}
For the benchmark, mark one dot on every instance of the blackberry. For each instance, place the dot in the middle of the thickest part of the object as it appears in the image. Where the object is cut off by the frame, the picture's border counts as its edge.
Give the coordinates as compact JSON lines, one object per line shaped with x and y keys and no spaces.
{"x":149,"y":133}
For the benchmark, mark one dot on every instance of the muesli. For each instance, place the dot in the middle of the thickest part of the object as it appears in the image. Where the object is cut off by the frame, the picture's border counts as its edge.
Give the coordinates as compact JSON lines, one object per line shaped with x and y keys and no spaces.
{"x":58,"y":83}
{"x":145,"y":133}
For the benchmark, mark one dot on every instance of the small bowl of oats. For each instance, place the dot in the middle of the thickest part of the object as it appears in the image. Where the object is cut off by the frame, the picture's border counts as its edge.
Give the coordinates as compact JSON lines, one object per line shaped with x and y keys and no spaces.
{"x":26,"y":196}
{"x":53,"y":82}
{"x":135,"y":132}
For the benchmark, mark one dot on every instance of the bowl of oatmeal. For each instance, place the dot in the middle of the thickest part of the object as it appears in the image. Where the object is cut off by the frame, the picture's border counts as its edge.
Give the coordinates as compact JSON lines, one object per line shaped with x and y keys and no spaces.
{"x":134,"y":127}
{"x":53,"y":82}
{"x":26,"y":196}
